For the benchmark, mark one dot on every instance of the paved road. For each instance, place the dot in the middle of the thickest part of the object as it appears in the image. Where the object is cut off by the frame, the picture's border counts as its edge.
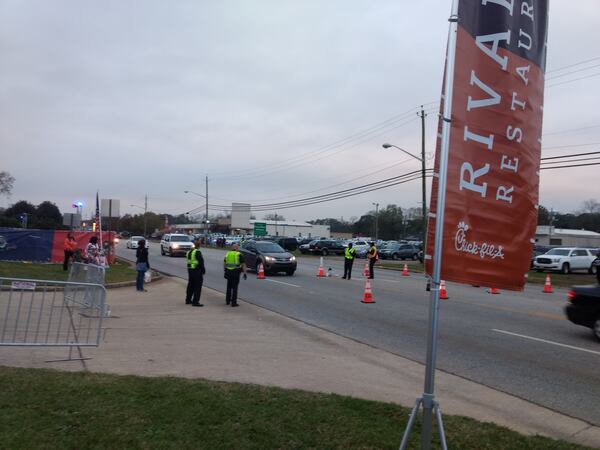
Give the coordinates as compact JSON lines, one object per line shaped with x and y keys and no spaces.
{"x":518,"y":343}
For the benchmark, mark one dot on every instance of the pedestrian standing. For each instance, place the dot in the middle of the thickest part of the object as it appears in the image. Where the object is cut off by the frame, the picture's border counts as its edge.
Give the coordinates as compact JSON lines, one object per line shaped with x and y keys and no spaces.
{"x":373,"y":257}
{"x":196,"y":271}
{"x":142,"y":264}
{"x":70,"y":245}
{"x":349,"y":255}
{"x":234,"y":265}
{"x":92,"y":251}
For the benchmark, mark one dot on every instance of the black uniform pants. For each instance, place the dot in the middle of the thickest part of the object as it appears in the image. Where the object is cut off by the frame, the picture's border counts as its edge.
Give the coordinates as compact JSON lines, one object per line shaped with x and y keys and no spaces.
{"x":194,"y":286}
{"x":371,"y":268}
{"x":348,"y":267}
{"x":68,"y":256}
{"x":233,"y":281}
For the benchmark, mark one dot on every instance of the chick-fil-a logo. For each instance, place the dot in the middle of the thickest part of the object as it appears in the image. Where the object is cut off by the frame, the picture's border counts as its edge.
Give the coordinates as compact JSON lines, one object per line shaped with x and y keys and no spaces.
{"x":484,"y":250}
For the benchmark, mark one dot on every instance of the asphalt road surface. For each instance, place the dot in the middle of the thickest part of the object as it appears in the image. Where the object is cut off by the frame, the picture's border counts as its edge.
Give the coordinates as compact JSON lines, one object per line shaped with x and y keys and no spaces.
{"x":519,"y":343}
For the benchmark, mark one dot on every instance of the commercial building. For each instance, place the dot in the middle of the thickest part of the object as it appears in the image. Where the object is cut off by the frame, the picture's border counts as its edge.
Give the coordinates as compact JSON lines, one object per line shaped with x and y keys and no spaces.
{"x":549,"y":235}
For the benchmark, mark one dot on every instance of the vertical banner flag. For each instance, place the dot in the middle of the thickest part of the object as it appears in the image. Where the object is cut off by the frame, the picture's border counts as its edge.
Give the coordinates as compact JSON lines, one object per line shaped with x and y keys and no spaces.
{"x":494,"y":151}
{"x":97,"y":219}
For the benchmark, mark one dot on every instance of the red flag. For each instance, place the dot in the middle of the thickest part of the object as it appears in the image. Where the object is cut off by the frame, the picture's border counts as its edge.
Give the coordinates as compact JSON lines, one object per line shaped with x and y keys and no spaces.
{"x":494,"y":152}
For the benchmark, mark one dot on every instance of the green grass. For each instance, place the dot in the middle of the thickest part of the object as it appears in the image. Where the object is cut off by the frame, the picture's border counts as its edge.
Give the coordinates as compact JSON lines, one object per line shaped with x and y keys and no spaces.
{"x":119,"y":271}
{"x":44,"y":409}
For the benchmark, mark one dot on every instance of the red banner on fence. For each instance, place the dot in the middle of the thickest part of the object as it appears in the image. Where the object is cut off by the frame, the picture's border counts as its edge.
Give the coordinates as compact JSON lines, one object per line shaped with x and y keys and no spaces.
{"x":491,"y":201}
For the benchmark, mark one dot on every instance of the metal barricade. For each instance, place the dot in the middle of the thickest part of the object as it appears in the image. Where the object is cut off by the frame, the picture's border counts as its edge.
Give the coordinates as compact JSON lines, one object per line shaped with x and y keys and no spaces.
{"x":41,"y":313}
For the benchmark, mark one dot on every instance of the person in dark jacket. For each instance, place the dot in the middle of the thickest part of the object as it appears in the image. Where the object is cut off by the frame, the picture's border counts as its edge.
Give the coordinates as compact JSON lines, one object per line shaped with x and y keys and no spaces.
{"x":596,"y":264}
{"x":349,"y":255}
{"x":196,"y":271}
{"x":142,"y":264}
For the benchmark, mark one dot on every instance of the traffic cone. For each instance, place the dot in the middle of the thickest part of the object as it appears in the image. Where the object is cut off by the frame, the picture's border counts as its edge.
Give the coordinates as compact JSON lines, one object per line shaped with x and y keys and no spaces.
{"x":405,"y":271}
{"x":368,"y":296}
{"x":443,"y":293}
{"x":321,"y":272}
{"x":493,"y":291}
{"x":548,"y":286}
{"x":366,"y":271}
{"x":261,"y":272}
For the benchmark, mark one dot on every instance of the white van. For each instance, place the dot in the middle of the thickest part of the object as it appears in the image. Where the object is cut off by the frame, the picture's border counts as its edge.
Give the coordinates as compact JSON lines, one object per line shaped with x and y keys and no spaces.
{"x":175,"y":244}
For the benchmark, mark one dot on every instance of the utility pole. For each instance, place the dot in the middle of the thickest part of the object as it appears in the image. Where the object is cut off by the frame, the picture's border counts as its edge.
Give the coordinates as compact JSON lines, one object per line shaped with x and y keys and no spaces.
{"x":145,"y":216}
{"x":376,"y":220}
{"x":422,"y":115}
{"x":206,"y":215}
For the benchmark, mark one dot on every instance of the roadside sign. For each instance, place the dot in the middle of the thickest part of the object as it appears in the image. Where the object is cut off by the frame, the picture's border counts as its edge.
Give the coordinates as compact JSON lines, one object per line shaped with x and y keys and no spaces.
{"x":260,"y":228}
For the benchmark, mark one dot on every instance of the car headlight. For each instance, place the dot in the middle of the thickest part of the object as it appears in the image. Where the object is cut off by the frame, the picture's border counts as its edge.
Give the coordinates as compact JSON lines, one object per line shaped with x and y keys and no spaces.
{"x":555,"y":259}
{"x":116,"y":240}
{"x":175,"y":245}
{"x":293,"y":258}
{"x":269,"y":258}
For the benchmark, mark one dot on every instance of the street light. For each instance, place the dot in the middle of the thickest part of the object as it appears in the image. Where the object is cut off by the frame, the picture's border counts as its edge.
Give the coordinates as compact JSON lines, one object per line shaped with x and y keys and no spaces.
{"x":206,"y":227}
{"x":424,"y":207}
{"x":145,"y":210}
{"x":376,"y":220}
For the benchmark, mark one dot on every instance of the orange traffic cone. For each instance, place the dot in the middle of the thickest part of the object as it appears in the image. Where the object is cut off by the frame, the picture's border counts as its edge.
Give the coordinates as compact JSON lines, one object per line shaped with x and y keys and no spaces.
{"x":405,"y":271}
{"x":366,"y":271}
{"x":261,"y":272}
{"x":443,"y":293}
{"x":548,"y":286}
{"x":368,"y":296}
{"x":321,"y":272}
{"x":493,"y":291}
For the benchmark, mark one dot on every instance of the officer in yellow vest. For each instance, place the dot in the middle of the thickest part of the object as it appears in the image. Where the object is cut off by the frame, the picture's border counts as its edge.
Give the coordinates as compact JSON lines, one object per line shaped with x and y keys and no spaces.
{"x":373,"y":257}
{"x":349,"y":255}
{"x":196,"y":271}
{"x":233,"y":265}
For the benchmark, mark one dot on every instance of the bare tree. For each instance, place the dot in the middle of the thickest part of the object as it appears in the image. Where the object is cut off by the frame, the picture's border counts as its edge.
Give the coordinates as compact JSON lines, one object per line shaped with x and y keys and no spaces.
{"x":6,"y":183}
{"x":591,"y":206}
{"x":273,"y":216}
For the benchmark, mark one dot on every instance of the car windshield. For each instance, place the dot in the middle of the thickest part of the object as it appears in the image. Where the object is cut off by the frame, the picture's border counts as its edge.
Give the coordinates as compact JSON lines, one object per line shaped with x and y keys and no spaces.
{"x":269,"y":247}
{"x":137,"y":238}
{"x":558,"y":251}
{"x":180,"y":239}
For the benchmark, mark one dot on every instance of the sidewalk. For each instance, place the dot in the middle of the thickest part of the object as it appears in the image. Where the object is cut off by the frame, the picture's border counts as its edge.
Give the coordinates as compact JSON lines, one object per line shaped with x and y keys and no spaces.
{"x":155,"y":334}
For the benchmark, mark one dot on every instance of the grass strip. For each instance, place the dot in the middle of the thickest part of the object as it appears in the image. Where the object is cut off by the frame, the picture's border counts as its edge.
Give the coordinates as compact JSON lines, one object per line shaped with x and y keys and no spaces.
{"x":45,"y":409}
{"x":117,"y":272}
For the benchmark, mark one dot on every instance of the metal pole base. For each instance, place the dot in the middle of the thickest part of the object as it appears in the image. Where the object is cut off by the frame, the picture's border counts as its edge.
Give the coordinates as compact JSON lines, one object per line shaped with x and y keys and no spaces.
{"x":411,"y":421}
{"x":70,"y":358}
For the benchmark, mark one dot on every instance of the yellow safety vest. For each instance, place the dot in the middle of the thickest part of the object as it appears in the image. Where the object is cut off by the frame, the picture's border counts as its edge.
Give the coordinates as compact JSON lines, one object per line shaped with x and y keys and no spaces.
{"x":349,"y":253}
{"x":192,"y":261}
{"x":232,"y":260}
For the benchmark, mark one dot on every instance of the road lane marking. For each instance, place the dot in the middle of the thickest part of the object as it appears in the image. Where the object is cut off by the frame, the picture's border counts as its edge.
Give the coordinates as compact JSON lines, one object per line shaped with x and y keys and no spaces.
{"x":546,"y":341}
{"x":283,"y":282}
{"x":540,"y":314}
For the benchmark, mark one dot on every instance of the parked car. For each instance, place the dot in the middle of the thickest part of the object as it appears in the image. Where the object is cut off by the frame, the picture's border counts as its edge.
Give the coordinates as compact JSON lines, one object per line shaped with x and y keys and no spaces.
{"x":133,"y":241}
{"x":328,"y":247}
{"x":565,"y":260}
{"x":288,"y":243}
{"x":271,"y":255}
{"x":584,"y":307}
{"x":175,"y":244}
{"x":306,"y":248}
{"x":399,"y":251}
{"x":539,"y":250}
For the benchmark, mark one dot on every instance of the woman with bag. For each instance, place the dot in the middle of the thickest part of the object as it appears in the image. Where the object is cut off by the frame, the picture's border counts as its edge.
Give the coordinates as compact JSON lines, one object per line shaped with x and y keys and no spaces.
{"x":141,"y":264}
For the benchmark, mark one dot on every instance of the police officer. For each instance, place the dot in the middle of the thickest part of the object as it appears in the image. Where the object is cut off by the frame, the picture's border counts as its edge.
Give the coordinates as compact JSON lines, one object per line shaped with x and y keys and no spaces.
{"x":372,"y":255}
{"x":349,"y":255}
{"x":196,"y":271}
{"x":233,"y":265}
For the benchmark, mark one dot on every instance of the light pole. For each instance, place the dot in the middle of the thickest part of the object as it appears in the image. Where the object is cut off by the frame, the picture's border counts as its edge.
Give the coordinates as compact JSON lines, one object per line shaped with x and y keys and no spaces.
{"x":376,"y":220}
{"x":145,"y":208}
{"x":424,"y":205}
{"x":206,"y":214}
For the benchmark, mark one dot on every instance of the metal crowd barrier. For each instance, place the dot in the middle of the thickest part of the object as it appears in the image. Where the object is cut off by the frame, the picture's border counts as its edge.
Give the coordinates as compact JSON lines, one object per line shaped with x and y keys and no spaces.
{"x":41,"y":313}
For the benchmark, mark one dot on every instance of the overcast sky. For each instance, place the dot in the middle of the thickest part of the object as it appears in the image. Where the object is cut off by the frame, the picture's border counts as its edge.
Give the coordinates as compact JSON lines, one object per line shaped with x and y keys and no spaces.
{"x":149,"y":97}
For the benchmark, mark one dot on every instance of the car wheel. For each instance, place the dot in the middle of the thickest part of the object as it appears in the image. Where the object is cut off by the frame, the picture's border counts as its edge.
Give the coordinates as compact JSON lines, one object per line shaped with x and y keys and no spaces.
{"x":394,"y":256}
{"x":290,"y":272}
{"x":162,"y":251}
{"x":565,"y":268}
{"x":596,"y":328}
{"x":324,"y":252}
{"x":593,"y":269}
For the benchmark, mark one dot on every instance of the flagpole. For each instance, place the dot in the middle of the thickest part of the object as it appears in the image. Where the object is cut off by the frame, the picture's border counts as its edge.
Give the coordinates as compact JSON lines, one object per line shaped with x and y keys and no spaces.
{"x":427,"y":400}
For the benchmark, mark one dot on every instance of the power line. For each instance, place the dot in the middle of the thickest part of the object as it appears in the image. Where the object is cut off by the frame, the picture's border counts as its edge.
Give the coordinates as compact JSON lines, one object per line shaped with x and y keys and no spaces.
{"x":569,"y":156}
{"x":570,"y":146}
{"x":574,"y":165}
{"x":573,"y":65}
{"x":571,"y":130}
{"x":572,"y":72}
{"x":573,"y":80}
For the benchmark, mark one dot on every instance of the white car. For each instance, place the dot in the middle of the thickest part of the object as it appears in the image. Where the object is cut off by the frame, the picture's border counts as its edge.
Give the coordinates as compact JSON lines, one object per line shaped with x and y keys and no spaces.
{"x":133,"y":241}
{"x":565,"y":260}
{"x":175,"y":244}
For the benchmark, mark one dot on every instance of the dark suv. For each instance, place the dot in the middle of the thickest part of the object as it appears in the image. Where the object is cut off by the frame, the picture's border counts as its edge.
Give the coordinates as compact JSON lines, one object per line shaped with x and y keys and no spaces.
{"x":270,"y":255}
{"x":399,"y":251}
{"x":288,"y":243}
{"x":328,"y":247}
